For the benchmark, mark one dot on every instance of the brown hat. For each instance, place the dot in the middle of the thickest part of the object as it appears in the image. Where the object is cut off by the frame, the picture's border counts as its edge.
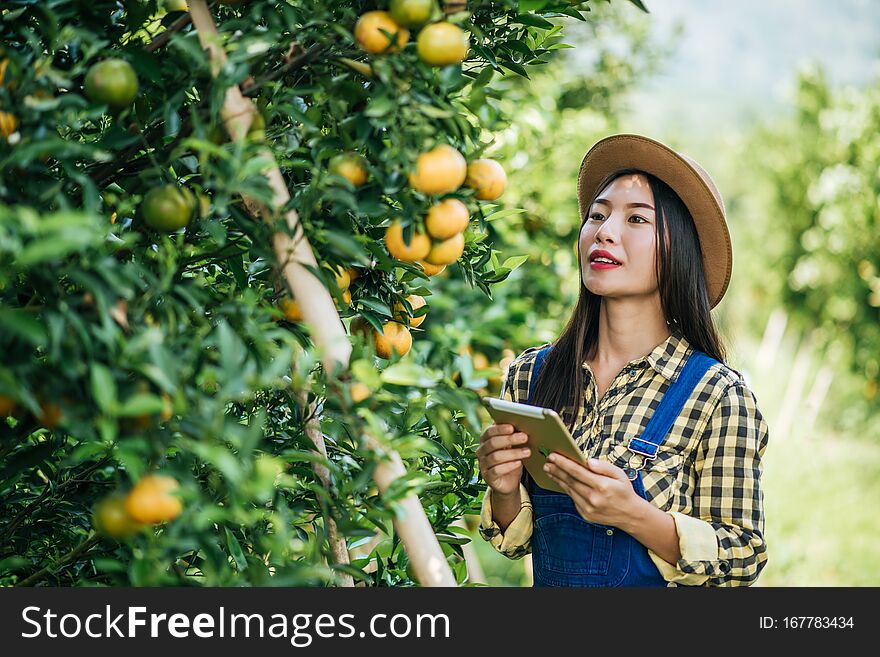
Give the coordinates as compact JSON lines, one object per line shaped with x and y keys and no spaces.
{"x":687,"y":178}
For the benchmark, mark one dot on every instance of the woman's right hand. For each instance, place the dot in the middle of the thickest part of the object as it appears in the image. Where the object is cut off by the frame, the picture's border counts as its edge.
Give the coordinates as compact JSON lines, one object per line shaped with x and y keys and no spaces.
{"x":500,"y":454}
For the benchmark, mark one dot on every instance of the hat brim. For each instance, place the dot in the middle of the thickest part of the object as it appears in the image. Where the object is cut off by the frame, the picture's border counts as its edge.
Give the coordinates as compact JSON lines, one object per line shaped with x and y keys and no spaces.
{"x":685,"y":177}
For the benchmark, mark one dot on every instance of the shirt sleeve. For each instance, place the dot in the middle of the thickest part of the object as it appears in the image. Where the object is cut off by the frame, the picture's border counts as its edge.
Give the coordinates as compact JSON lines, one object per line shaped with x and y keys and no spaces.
{"x":722,"y":541}
{"x":516,"y":540}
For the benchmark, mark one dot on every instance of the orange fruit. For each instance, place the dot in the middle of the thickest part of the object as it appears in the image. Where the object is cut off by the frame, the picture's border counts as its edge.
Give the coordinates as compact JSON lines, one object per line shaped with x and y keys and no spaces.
{"x":152,"y":500}
{"x":359,"y":392}
{"x":176,"y":5}
{"x":167,"y":408}
{"x":110,"y":518}
{"x":480,"y":361}
{"x":353,"y":274}
{"x":487,"y":177}
{"x":416,"y":302}
{"x":50,"y":414}
{"x":368,"y":33}
{"x":112,"y":82}
{"x":346,"y":297}
{"x":291,"y":310}
{"x":447,"y":218}
{"x":447,"y":251}
{"x":439,"y":171}
{"x":343,"y":278}
{"x":396,"y":338}
{"x":167,"y":208}
{"x":411,"y":13}
{"x":431,"y":270}
{"x":442,"y":44}
{"x":418,"y":248}
{"x":351,"y":166}
{"x":7,"y":405}
{"x":8,"y":123}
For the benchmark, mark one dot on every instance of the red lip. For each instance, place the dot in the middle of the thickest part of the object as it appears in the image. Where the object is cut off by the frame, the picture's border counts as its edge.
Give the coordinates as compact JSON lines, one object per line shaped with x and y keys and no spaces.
{"x":597,"y":253}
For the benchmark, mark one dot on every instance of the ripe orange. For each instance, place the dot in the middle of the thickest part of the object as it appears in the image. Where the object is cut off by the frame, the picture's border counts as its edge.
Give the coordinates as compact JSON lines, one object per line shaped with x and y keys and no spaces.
{"x":168,"y":208}
{"x":291,"y":310}
{"x":412,"y":13}
{"x":7,"y":405}
{"x":343,"y":278}
{"x":416,"y":302}
{"x":396,"y":337}
{"x":431,"y":270}
{"x":351,"y":166}
{"x":110,"y":518}
{"x":8,"y":123}
{"x":447,"y":251}
{"x":50,"y":414}
{"x":447,"y":218}
{"x":418,"y":248}
{"x":346,"y":297}
{"x":112,"y":81}
{"x":442,"y":44}
{"x":439,"y":171}
{"x":353,"y":274}
{"x":487,"y":177}
{"x":152,"y":499}
{"x":368,"y":33}
{"x":359,"y":392}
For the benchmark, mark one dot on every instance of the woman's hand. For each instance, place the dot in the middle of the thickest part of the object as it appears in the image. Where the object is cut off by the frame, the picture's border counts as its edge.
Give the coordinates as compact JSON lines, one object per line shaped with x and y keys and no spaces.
{"x":500,"y":455}
{"x":600,"y":491}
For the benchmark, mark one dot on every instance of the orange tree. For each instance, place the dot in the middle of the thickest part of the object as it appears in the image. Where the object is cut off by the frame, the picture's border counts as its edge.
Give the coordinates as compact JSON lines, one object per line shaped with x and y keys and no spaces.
{"x":185,"y":216}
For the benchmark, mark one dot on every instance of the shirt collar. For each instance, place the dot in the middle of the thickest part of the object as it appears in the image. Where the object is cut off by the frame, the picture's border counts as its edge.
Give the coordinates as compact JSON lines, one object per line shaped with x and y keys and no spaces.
{"x":669,"y":356}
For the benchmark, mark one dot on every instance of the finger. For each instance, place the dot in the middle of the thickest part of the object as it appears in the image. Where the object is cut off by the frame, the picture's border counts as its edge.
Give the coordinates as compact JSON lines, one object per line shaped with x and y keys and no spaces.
{"x":573,"y":486}
{"x":502,"y":469}
{"x":606,"y":468}
{"x":497,"y":430}
{"x":518,"y":439}
{"x":575,"y":471}
{"x":506,"y":455}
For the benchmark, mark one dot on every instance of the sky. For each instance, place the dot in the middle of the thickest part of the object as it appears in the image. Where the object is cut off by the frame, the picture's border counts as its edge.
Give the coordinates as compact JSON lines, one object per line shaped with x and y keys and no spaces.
{"x":737,"y":61}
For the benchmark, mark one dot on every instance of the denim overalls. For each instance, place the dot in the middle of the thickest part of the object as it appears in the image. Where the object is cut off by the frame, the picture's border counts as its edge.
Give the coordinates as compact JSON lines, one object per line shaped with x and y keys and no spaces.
{"x":569,"y":551}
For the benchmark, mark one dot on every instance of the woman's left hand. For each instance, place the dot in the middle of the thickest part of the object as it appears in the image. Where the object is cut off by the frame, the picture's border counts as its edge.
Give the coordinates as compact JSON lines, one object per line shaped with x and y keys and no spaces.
{"x":600,"y":491}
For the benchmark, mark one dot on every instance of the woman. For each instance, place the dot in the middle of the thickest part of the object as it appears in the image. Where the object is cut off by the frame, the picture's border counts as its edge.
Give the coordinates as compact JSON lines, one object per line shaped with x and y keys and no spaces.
{"x":674,"y":438}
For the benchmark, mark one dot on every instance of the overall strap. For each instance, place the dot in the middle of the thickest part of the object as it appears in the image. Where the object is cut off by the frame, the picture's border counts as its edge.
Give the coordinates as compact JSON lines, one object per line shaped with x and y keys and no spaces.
{"x":536,"y":367}
{"x":671,"y":404}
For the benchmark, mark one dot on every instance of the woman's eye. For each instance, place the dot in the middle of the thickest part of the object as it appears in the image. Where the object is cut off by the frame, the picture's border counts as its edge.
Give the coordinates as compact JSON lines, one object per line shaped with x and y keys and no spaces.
{"x":635,"y":216}
{"x":596,"y":214}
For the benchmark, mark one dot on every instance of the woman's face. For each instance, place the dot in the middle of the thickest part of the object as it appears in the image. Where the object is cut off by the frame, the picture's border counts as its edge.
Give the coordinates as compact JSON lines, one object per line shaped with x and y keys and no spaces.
{"x":622,"y":222}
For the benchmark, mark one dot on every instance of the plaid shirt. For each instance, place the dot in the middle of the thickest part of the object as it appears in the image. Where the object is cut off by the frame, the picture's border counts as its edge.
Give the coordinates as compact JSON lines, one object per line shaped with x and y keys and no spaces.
{"x":706,"y":474}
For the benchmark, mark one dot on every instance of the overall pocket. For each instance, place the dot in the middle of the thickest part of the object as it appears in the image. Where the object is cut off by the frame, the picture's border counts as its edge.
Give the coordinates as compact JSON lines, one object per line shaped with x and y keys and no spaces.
{"x":571,"y":545}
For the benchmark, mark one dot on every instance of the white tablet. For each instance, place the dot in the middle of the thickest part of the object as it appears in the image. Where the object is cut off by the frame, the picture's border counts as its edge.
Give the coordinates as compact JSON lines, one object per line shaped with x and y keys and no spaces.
{"x":546,"y":432}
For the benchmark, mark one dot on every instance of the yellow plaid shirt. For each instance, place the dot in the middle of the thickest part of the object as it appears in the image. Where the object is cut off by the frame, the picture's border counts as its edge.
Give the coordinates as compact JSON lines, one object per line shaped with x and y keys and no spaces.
{"x":706,"y":474}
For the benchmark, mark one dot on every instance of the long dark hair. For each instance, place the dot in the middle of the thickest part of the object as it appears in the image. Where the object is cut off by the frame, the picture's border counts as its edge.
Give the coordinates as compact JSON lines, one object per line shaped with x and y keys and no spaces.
{"x":684,"y":298}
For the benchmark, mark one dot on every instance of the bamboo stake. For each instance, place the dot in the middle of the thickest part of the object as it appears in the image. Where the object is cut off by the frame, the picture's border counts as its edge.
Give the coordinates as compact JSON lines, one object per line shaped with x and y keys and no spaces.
{"x":415,"y":531}
{"x":293,"y":251}
{"x":319,"y":311}
{"x":337,"y":543}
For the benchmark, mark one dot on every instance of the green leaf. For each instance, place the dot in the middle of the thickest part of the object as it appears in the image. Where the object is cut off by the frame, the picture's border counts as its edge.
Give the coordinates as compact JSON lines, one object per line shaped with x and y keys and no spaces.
{"x":514,"y":261}
{"x":533,"y":21}
{"x":103,"y":387}
{"x":410,"y":374}
{"x":501,"y":214}
{"x":235,"y":551}
{"x":24,"y":325}
{"x":141,"y":404}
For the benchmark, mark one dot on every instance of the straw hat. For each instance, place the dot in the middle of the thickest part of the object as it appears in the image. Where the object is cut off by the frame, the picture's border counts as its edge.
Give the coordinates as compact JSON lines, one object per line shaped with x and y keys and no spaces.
{"x":687,"y":178}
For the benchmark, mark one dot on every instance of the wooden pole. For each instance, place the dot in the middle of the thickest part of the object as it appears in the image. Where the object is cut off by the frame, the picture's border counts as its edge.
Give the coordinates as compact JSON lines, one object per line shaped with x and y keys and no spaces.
{"x":313,"y":430}
{"x":411,"y":523}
